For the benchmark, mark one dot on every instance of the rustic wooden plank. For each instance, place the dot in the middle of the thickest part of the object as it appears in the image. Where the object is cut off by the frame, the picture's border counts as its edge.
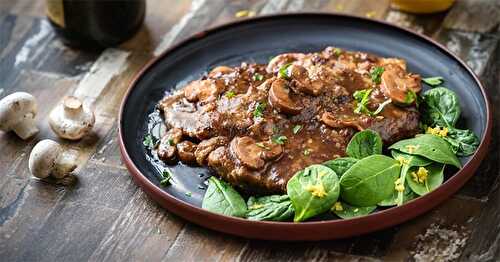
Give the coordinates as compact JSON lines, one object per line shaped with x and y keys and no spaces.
{"x":144,"y":231}
{"x":481,"y":16}
{"x":371,"y":9}
{"x":195,"y":243}
{"x":81,"y":218}
{"x":484,"y":244}
{"x":412,"y":243}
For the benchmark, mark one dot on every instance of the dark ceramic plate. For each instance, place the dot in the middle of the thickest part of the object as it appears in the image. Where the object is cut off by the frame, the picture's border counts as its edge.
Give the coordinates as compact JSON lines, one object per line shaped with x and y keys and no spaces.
{"x":257,"y":40}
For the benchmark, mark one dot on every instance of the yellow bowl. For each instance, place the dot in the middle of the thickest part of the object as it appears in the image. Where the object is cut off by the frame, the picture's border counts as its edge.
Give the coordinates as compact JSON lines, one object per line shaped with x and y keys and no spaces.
{"x":422,"y":6}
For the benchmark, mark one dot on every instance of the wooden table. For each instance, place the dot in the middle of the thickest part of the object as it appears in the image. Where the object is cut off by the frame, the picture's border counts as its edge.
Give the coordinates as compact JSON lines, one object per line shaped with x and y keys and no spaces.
{"x":105,"y":216}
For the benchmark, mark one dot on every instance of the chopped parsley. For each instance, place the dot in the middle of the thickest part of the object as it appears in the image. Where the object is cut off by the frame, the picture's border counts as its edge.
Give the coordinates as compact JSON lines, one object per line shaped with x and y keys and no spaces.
{"x":433,"y":81}
{"x":171,"y":142}
{"x":280,"y":140}
{"x":362,"y":97}
{"x":337,"y":51}
{"x":410,"y":97}
{"x":376,"y":74}
{"x":230,"y":94}
{"x":276,"y":130}
{"x":257,"y":77}
{"x":258,"y":112}
{"x":296,"y":129}
{"x":166,"y":176}
{"x":307,"y":152}
{"x":149,"y":141}
{"x":189,"y":194}
{"x":261,"y":145}
{"x":284,"y":72}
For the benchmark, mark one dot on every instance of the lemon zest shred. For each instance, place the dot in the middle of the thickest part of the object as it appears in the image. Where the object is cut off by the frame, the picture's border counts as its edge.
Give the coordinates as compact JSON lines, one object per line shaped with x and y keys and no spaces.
{"x":421,"y":175}
{"x":317,"y":190}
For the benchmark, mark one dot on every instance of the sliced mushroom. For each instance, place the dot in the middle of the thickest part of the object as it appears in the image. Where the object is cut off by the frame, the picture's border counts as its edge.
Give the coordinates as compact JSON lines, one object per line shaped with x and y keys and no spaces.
{"x":398,"y":85}
{"x":202,"y":90}
{"x":17,"y":113}
{"x":247,"y":152}
{"x":334,"y":121}
{"x":279,"y":97}
{"x":270,"y":150}
{"x":206,"y":146}
{"x":278,"y":61}
{"x":167,"y":149}
{"x":220,"y":70}
{"x":185,"y":150}
{"x":300,"y":77}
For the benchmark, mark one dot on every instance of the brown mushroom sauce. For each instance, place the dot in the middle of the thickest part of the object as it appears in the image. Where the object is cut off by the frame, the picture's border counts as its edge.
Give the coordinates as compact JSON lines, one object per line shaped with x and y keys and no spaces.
{"x":231,"y":120}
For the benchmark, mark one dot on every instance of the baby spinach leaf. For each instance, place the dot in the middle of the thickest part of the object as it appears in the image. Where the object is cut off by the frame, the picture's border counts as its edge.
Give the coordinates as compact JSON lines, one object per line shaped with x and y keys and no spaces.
{"x":395,"y":197}
{"x":441,"y":107}
{"x":410,"y":160}
{"x":463,"y":142}
{"x":433,"y":81}
{"x":407,"y":161}
{"x":223,"y":199}
{"x":364,"y":143}
{"x":429,"y":146}
{"x":433,"y":178}
{"x":271,"y":208}
{"x":313,"y":191}
{"x":340,"y":165}
{"x":346,"y":211}
{"x":369,"y":181}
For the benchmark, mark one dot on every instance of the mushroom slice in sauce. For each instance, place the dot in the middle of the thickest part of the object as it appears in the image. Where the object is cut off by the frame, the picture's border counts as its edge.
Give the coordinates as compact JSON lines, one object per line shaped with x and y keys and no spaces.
{"x":185,"y":150}
{"x":279,"y":97}
{"x":335,"y":121}
{"x":247,"y":152}
{"x":206,"y":146}
{"x":397,"y":85}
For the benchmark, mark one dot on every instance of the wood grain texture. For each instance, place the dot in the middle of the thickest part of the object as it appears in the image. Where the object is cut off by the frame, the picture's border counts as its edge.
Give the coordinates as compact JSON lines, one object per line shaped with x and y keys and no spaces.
{"x":105,"y":217}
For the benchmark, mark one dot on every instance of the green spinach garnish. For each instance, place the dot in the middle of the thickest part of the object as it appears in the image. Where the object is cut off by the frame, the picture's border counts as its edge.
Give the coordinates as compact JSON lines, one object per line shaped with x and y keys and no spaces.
{"x":463,"y":142}
{"x":223,"y":199}
{"x":433,"y":81}
{"x":369,"y":181}
{"x":441,"y":107}
{"x":376,"y":74}
{"x":340,"y":165}
{"x":407,"y":161}
{"x":313,"y":191}
{"x":364,"y":143}
{"x":271,"y":208}
{"x":423,"y":180}
{"x":346,"y":211}
{"x":429,"y":146}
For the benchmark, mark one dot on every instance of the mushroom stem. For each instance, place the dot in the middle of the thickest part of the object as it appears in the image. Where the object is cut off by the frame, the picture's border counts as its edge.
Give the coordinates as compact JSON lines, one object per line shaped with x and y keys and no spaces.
{"x":65,"y":163}
{"x":72,"y":106}
{"x":26,"y":128}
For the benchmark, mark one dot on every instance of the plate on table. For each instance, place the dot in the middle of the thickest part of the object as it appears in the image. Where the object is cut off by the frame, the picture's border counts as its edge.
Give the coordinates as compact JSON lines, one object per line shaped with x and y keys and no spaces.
{"x":256,"y":40}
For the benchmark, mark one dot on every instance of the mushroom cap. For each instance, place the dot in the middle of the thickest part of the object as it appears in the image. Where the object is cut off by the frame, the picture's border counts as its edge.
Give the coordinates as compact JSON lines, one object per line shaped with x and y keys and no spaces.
{"x":14,"y":108}
{"x":43,"y":157}
{"x":247,"y":152}
{"x":71,"y":119}
{"x":279,"y":97}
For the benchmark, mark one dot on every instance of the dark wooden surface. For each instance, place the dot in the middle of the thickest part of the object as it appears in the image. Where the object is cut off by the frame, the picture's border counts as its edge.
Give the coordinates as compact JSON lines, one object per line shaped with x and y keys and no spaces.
{"x":104,"y":216}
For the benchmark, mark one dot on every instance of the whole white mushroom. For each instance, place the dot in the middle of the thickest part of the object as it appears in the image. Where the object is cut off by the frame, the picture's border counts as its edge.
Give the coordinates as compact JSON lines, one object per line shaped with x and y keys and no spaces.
{"x":48,"y":158}
{"x":71,"y":119}
{"x":17,"y":113}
